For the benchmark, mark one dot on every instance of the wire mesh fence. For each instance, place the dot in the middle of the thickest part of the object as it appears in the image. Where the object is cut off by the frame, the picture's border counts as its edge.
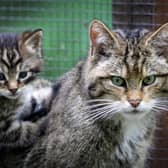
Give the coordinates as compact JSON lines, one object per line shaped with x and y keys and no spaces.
{"x":65,"y":24}
{"x":130,"y":14}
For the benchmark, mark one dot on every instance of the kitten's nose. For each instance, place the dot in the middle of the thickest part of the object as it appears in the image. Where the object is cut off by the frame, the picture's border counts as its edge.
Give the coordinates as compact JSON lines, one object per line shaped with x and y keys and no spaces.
{"x":13,"y":90}
{"x":134,"y":102}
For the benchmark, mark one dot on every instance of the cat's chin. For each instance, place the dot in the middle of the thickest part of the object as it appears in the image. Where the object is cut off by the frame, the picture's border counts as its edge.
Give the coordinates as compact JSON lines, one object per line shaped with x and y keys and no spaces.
{"x":10,"y":96}
{"x":135,"y":114}
{"x":13,"y":96}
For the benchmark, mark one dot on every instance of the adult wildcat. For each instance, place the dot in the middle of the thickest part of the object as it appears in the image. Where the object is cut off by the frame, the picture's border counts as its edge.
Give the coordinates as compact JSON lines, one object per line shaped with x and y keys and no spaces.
{"x":104,"y":113}
{"x":20,"y":61}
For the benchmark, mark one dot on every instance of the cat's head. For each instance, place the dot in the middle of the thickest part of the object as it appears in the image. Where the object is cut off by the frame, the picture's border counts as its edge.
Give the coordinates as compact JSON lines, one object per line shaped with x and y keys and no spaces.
{"x":126,"y":73}
{"x":20,"y":60}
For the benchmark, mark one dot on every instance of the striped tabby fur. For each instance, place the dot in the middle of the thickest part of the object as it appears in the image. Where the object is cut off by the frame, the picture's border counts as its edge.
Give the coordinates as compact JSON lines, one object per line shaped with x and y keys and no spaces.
{"x":20,"y":61}
{"x":105,"y":109}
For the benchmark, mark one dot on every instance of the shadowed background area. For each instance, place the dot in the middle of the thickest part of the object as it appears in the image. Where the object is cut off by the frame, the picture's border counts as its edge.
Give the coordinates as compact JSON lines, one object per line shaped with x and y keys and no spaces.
{"x":65,"y":24}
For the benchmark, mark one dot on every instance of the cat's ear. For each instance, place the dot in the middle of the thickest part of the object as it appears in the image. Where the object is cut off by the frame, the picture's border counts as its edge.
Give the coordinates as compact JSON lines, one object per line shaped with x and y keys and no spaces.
{"x":31,"y":41}
{"x":158,"y":38}
{"x":101,"y":37}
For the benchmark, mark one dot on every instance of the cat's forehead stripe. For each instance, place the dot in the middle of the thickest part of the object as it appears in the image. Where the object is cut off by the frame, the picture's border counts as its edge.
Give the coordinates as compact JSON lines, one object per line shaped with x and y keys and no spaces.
{"x":4,"y":57}
{"x":17,"y":57}
{"x":133,"y":58}
{"x":9,"y":53}
{"x":10,"y":58}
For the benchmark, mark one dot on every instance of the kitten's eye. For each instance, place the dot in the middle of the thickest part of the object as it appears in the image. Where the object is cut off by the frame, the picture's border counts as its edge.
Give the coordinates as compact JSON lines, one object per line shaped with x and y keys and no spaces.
{"x":23,"y":75}
{"x":116,"y":80}
{"x":149,"y":80}
{"x":2,"y":77}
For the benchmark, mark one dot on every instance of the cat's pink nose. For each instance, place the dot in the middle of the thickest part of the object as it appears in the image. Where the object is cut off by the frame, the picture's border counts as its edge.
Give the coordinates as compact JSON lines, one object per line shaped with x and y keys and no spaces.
{"x":134,"y":102}
{"x":13,"y":90}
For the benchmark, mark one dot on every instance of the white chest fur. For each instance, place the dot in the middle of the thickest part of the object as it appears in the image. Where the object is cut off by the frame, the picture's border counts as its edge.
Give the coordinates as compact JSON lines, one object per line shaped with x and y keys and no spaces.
{"x":135,"y":141}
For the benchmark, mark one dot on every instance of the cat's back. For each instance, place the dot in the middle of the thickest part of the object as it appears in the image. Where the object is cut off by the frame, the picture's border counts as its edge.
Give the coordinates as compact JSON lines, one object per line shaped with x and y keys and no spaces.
{"x":69,"y":81}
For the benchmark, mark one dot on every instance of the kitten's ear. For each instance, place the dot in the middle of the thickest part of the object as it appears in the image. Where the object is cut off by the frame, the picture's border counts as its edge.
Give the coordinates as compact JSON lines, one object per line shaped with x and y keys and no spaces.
{"x":159,"y":37}
{"x":101,"y":36}
{"x":31,"y":41}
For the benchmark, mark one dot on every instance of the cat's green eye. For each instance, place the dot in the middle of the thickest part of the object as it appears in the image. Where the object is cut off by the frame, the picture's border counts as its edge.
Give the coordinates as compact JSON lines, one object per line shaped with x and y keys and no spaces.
{"x":149,"y":80}
{"x":118,"y":81}
{"x":23,"y":75}
{"x":2,"y":77}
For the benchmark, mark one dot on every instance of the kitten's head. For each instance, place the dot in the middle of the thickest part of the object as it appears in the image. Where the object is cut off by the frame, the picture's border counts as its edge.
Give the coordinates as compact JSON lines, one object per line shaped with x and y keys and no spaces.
{"x":20,"y":60}
{"x":127,"y":72}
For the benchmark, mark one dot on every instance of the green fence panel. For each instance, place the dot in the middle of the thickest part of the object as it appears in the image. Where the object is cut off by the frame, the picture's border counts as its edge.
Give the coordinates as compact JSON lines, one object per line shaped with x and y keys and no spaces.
{"x":65,"y":24}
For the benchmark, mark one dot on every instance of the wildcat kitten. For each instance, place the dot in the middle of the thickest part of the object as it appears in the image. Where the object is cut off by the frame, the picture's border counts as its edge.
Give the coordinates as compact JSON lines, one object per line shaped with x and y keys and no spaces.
{"x":104,"y":112}
{"x":20,"y":61}
{"x":24,"y":99}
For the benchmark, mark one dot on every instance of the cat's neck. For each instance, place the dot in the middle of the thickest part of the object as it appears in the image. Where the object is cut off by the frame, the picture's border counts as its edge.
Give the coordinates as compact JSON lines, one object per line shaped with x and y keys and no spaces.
{"x":138,"y":129}
{"x":121,"y":133}
{"x":130,"y":128}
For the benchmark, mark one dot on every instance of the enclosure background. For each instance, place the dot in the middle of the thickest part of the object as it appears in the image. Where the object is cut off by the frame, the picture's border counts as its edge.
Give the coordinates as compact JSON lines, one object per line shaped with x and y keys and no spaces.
{"x":65,"y":24}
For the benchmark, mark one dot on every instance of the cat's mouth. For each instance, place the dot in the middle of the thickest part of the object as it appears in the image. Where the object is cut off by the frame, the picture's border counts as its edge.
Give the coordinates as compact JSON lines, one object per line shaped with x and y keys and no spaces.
{"x":11,"y":96}
{"x":135,"y":112}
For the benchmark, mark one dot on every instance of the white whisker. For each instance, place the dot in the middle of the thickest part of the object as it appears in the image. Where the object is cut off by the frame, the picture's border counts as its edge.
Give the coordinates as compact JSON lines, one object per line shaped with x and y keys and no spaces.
{"x":100,"y":113}
{"x":99,"y":100}
{"x":162,"y":98}
{"x":113,"y":112}
{"x":160,"y":108}
{"x":97,"y":113}
{"x":97,"y":105}
{"x":99,"y":109}
{"x":155,"y":110}
{"x":161,"y":105}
